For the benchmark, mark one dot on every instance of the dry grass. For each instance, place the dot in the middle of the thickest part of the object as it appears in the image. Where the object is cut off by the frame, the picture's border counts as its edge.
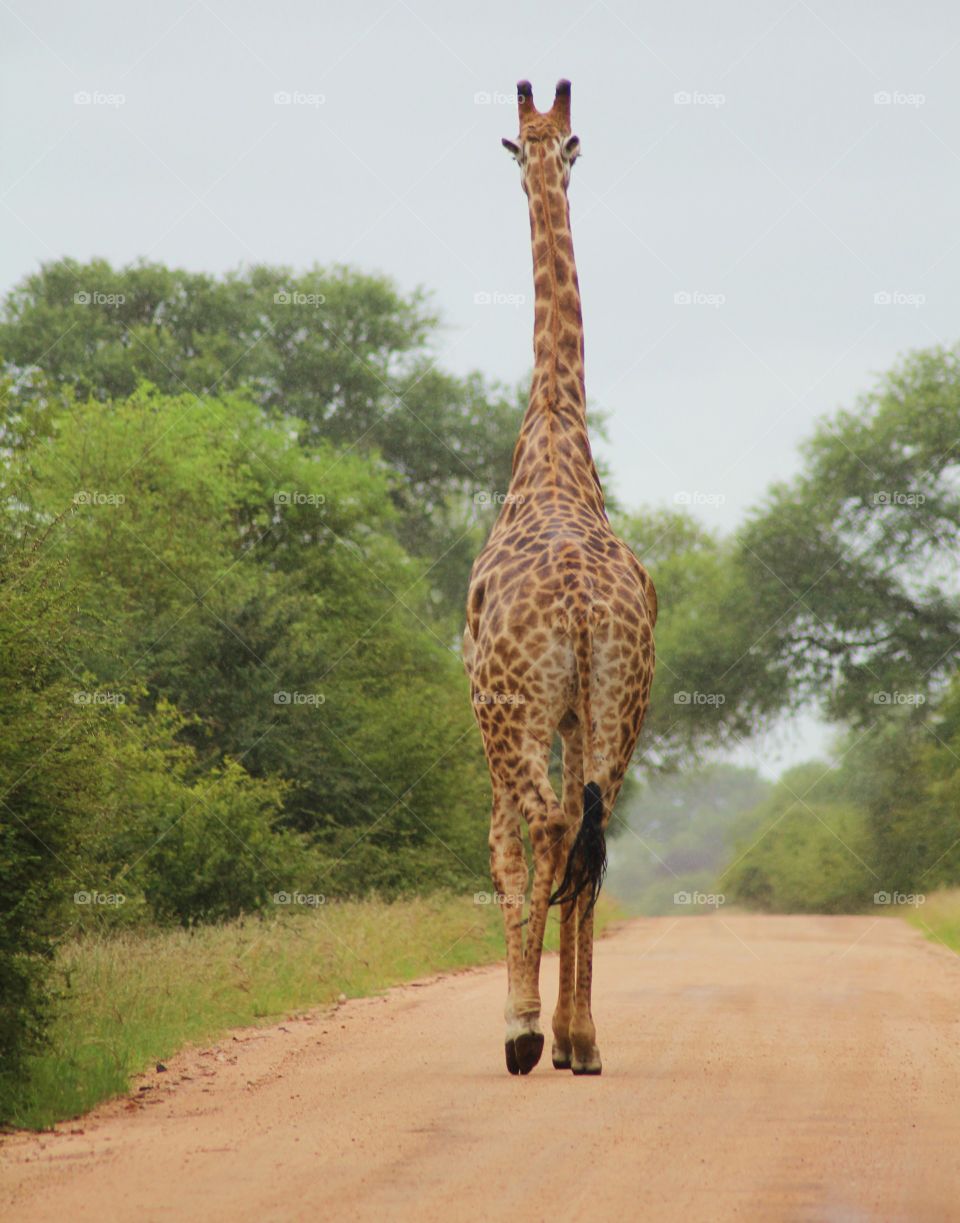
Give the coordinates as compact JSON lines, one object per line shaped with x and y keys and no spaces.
{"x":134,"y":997}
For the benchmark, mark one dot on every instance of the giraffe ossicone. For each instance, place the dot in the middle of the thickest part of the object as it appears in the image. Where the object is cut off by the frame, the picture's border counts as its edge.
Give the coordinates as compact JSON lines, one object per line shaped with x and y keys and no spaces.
{"x":559,"y":637}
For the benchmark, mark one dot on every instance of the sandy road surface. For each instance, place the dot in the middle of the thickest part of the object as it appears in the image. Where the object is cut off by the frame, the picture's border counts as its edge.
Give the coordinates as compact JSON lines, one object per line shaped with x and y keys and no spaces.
{"x":759,"y":1068}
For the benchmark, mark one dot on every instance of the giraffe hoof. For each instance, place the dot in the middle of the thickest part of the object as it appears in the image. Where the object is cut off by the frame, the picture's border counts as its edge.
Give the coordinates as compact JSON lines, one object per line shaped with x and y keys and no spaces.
{"x":561,"y":1057}
{"x":527,"y":1049}
{"x":587,"y":1069}
{"x":512,"y":1064}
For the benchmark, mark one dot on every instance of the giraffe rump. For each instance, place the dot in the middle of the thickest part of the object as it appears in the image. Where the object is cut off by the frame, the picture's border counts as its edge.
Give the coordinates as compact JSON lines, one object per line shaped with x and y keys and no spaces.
{"x":587,"y":860}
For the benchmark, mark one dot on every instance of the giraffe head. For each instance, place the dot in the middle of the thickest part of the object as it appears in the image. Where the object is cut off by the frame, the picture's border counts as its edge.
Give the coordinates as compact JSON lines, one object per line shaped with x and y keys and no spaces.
{"x":544,"y":139}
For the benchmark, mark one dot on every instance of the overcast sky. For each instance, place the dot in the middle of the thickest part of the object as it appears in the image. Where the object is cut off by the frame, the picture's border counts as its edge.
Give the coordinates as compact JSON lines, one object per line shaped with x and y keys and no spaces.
{"x":765,"y":212}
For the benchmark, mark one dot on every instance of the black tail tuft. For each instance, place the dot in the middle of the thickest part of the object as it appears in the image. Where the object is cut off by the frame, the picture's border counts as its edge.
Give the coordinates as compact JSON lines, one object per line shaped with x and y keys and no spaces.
{"x":587,"y":862}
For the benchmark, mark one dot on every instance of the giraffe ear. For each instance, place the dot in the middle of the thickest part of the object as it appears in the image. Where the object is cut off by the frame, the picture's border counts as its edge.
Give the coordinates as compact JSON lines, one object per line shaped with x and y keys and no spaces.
{"x":571,"y":148}
{"x":512,"y":147}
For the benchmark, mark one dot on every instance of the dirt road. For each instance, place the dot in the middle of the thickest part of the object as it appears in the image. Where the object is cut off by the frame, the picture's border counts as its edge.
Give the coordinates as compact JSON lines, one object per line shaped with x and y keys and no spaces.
{"x":755,"y":1068}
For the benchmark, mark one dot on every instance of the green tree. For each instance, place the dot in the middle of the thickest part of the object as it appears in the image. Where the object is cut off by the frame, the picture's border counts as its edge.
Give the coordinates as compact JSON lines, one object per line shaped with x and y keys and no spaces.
{"x":714,"y":682}
{"x":345,"y":354}
{"x":804,"y":849}
{"x":177,"y":841}
{"x":254,"y":582}
{"x":851,"y":567}
{"x":675,"y":832}
{"x":50,"y":778}
{"x":905,"y":775}
{"x":882,"y":819}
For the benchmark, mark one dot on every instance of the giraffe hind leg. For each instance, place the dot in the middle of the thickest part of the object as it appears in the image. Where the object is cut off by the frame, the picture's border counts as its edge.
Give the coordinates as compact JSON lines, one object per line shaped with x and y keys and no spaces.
{"x":575,"y":1048}
{"x":547,"y":826}
{"x":599,"y":799}
{"x":562,"y":1045}
{"x":508,"y":870}
{"x":583,"y":1033}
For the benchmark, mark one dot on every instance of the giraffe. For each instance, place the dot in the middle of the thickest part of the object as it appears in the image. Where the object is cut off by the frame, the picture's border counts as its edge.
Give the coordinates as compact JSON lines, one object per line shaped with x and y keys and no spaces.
{"x":558,"y":638}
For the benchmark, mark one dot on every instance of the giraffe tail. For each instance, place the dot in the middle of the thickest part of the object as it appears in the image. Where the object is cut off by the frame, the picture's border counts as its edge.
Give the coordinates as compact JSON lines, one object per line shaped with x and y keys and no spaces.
{"x":587,"y":860}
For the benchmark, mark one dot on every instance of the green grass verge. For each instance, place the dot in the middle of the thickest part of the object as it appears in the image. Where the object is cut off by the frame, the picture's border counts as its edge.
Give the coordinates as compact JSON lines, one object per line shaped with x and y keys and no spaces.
{"x":133,"y":997}
{"x":939,"y":917}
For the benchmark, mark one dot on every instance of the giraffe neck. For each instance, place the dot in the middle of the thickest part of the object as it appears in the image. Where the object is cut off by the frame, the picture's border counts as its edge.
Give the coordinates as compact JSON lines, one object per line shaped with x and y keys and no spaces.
{"x":553,"y":453}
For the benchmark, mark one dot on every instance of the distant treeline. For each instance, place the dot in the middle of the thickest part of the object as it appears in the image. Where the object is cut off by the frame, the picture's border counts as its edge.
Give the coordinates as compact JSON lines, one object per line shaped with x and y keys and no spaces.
{"x":874,"y":829}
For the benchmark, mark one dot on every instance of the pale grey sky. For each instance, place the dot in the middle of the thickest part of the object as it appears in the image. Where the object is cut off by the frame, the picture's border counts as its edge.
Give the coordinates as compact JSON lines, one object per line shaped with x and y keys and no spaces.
{"x":779,"y":164}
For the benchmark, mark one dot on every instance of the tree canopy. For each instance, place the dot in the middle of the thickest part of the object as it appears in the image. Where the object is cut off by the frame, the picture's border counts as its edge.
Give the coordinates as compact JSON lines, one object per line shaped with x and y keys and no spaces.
{"x":252,"y":582}
{"x":852,"y":566}
{"x":343,"y":353}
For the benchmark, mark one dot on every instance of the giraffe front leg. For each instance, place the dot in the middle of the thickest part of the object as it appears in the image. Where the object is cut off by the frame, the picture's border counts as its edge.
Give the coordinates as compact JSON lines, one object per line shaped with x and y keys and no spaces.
{"x":508,"y":870}
{"x":583,"y":1033}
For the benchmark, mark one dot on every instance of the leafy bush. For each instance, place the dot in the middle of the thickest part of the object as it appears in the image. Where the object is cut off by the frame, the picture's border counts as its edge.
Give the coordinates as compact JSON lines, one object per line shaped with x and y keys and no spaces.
{"x":182,"y":843}
{"x":254,"y":583}
{"x":882,"y":820}
{"x":213,"y":849}
{"x":50,"y":777}
{"x":807,"y":859}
